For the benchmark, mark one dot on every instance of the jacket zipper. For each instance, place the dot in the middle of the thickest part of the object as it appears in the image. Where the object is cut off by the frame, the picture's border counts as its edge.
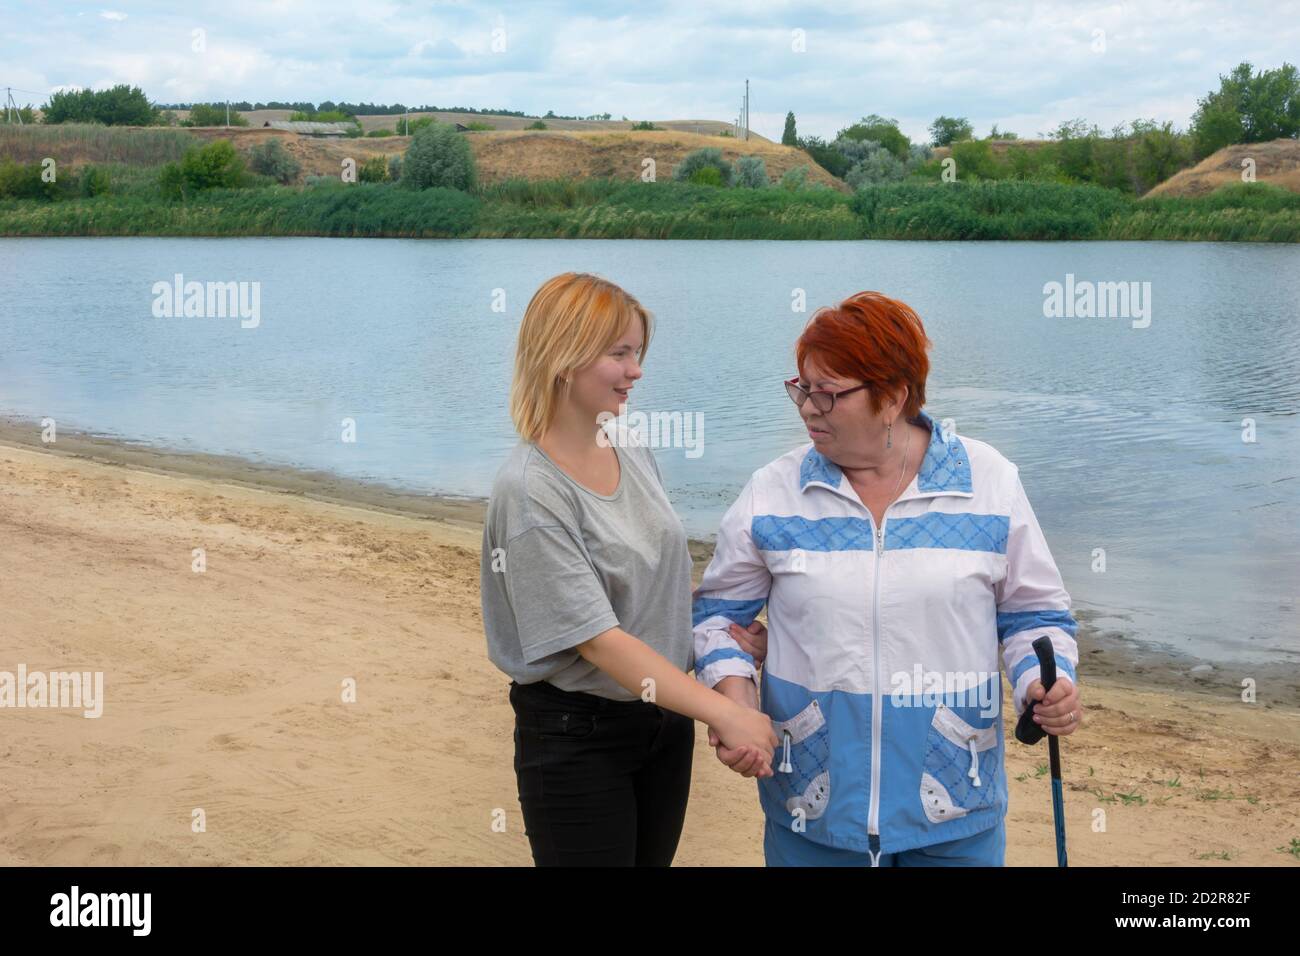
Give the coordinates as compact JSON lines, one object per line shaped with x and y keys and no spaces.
{"x":877,"y":707}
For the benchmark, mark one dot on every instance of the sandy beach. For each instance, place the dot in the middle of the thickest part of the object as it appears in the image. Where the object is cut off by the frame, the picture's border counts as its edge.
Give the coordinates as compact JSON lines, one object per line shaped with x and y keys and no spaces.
{"x":224,"y":691}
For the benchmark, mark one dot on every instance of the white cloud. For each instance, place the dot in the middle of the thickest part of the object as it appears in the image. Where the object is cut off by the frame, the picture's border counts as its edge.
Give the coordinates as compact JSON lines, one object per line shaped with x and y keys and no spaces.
{"x":1025,"y":67}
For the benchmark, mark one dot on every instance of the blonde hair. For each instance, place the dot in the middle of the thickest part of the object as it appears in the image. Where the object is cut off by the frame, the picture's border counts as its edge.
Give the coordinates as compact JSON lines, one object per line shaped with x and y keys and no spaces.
{"x":572,"y":319}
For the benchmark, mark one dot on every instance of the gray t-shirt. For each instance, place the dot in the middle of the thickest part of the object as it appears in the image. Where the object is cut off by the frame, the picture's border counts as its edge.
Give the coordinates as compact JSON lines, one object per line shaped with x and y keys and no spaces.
{"x":561,"y":564}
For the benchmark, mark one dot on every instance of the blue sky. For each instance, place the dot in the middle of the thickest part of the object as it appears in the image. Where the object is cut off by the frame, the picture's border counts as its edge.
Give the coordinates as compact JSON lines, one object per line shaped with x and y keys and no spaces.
{"x":1025,"y":67}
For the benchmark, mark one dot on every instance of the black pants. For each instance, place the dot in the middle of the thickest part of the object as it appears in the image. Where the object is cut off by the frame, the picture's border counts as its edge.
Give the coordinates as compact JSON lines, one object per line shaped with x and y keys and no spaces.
{"x":601,"y":782}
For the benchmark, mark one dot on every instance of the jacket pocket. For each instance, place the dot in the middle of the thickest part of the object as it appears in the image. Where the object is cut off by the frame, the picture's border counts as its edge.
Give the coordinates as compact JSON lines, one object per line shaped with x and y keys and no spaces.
{"x":961,"y":766}
{"x":802,"y":780}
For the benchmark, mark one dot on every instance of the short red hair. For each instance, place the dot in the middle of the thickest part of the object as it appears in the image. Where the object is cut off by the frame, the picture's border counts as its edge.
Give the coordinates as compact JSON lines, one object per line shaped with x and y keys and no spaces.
{"x":874,"y":338}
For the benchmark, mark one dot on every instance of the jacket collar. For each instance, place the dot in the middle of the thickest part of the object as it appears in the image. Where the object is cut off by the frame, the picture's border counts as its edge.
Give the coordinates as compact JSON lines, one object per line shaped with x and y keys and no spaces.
{"x":944,"y":470}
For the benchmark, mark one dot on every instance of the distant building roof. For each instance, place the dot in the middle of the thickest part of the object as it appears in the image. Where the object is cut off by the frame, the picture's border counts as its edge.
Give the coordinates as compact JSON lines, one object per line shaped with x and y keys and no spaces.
{"x":314,"y":129}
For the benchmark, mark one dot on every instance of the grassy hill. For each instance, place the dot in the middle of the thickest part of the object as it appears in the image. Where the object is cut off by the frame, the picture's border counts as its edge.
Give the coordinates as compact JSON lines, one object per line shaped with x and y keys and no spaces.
{"x":500,"y":155}
{"x":998,"y":147}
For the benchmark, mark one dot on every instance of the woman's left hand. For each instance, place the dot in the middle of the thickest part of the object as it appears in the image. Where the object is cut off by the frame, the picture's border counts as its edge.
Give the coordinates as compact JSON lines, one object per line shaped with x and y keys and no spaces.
{"x":752,"y":640}
{"x":1058,"y":711}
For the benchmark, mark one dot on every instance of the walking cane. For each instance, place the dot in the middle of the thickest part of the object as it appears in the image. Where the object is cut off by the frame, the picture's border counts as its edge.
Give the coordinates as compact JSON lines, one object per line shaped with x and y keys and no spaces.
{"x":1028,"y":732}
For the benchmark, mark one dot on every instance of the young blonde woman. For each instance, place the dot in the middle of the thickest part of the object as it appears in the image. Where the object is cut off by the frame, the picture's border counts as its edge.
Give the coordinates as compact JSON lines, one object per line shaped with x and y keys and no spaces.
{"x":586,"y":596}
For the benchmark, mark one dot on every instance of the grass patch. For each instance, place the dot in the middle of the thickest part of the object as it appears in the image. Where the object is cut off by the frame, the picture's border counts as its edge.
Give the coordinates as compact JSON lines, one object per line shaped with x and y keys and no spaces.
{"x":69,"y":143}
{"x":608,"y":209}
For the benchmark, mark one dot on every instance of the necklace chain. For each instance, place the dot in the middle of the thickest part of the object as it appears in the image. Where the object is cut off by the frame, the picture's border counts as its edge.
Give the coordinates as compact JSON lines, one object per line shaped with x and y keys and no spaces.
{"x":902,"y":471}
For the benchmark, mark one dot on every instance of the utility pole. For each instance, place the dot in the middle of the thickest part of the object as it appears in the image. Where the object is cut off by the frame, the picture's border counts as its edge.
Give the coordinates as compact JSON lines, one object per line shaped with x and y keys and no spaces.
{"x":11,"y":107}
{"x":227,"y":114}
{"x":746,"y":110}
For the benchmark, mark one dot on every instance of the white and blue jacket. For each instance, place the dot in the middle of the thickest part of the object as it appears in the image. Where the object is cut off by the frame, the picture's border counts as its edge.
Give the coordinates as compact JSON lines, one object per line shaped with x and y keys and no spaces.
{"x":882,"y":676}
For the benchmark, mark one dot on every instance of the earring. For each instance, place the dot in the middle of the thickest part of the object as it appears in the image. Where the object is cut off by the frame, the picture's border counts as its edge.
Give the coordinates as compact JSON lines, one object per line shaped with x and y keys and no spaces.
{"x":889,"y":435}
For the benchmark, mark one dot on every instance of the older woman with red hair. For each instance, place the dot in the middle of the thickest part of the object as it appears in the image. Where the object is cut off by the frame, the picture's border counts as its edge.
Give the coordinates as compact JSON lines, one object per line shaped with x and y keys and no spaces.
{"x":897,"y":561}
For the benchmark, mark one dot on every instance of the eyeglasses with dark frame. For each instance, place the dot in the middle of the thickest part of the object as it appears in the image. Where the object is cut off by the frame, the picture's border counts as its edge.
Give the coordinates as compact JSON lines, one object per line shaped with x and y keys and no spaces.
{"x":822,"y":401}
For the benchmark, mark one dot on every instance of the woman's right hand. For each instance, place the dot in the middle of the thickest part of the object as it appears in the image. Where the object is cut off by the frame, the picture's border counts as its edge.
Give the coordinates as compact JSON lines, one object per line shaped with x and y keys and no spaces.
{"x":747,"y":728}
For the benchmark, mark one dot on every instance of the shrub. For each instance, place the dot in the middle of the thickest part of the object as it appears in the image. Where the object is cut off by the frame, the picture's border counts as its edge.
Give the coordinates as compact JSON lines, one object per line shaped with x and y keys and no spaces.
{"x":479,"y":127}
{"x":377,"y":133}
{"x":706,"y":176}
{"x":394,"y":168}
{"x":24,"y":181}
{"x":710,"y":157}
{"x":975,"y":160}
{"x":94,"y":181}
{"x":373,"y":170}
{"x":439,"y":156}
{"x":879,"y":165}
{"x":536,"y":124}
{"x":272,"y":159}
{"x":171,"y":182}
{"x":645,"y":125}
{"x":215,"y":166}
{"x":826,"y":155}
{"x":213,"y":114}
{"x":411,"y":127}
{"x":794,"y":178}
{"x":325,"y":116}
{"x":751,"y":172}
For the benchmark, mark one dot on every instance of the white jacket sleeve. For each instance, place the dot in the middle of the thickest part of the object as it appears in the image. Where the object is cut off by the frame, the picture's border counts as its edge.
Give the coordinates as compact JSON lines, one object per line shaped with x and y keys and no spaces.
{"x":1032,"y":602}
{"x":734,"y":590}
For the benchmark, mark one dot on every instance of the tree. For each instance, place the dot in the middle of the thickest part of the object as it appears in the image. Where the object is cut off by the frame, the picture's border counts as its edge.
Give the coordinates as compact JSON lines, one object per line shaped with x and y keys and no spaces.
{"x":789,"y":137}
{"x":24,"y":114}
{"x":439,"y":156}
{"x":120,"y":106}
{"x":1074,"y":149}
{"x":879,"y":130}
{"x":1158,"y":152}
{"x":124,"y":105}
{"x":826,"y":155}
{"x":947,"y":130}
{"x":214,"y":114}
{"x":1248,"y":107}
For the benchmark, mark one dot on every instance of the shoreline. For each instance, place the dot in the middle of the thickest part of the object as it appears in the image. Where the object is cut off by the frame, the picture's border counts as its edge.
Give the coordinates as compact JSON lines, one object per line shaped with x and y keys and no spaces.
{"x":226,"y":691}
{"x":1104,"y":653}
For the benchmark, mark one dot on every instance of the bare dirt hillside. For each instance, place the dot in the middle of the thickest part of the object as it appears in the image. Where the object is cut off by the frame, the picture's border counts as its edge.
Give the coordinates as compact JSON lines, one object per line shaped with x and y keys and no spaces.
{"x":1276,"y":162}
{"x":621,"y":155}
{"x":549,"y":154}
